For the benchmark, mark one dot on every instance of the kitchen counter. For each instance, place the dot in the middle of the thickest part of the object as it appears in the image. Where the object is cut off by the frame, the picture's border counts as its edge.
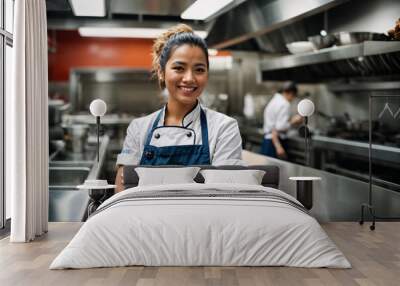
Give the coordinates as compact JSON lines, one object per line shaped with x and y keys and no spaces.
{"x":252,"y":136}
{"x":332,"y":191}
{"x":108,"y":119}
{"x":336,"y":155}
{"x":66,"y":171}
{"x":350,"y":158}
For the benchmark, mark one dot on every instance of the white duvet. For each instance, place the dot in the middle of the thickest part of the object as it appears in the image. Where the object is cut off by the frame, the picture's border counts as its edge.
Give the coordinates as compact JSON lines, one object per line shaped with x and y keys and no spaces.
{"x":184,"y":230}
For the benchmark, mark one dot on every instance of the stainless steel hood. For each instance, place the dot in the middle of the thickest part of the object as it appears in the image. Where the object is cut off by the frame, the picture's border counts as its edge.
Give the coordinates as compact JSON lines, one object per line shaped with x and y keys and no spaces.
{"x":150,"y":7}
{"x":129,"y":7}
{"x":255,"y":18}
{"x":121,"y":13}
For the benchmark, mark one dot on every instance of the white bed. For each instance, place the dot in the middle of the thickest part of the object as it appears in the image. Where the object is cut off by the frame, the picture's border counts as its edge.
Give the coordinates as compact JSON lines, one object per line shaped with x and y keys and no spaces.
{"x":203,"y":225}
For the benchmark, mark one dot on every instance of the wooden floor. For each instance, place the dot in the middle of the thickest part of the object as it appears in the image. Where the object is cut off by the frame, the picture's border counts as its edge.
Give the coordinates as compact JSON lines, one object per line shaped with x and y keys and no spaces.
{"x":375,"y":257}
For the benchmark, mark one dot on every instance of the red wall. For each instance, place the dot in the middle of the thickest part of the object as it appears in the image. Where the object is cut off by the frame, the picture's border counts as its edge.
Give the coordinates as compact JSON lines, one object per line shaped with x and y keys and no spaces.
{"x":73,"y":51}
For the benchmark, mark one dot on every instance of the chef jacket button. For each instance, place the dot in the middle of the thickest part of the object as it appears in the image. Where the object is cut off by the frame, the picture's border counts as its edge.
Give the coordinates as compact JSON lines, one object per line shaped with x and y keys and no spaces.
{"x":157,"y":136}
{"x":149,"y":155}
{"x":189,"y":134}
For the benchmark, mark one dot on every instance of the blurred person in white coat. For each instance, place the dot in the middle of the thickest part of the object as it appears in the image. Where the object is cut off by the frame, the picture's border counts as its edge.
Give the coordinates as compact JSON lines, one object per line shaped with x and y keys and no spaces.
{"x":278,"y":120}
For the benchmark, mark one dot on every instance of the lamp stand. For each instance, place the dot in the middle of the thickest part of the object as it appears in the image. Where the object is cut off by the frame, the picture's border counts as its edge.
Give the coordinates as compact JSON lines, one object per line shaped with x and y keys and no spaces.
{"x":98,"y":137}
{"x":306,"y":140}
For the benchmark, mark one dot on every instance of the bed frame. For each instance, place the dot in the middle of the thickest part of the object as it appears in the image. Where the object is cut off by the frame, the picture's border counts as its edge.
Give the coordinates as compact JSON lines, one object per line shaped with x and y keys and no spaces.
{"x":270,"y":179}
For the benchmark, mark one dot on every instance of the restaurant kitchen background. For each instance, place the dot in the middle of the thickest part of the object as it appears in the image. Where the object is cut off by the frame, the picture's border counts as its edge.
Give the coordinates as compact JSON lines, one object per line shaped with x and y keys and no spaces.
{"x":249,"y":65}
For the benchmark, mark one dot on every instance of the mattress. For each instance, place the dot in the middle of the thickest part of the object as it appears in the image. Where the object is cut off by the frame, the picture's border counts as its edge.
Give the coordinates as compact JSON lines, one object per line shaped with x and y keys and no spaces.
{"x":201,"y":225}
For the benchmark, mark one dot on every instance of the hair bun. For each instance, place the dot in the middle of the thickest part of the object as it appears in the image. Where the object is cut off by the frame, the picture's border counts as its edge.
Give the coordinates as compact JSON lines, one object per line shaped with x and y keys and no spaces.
{"x":177,"y":29}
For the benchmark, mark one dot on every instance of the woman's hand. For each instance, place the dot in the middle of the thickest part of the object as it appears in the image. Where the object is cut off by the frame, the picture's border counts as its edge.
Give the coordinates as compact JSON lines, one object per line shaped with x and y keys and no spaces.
{"x":119,"y":179}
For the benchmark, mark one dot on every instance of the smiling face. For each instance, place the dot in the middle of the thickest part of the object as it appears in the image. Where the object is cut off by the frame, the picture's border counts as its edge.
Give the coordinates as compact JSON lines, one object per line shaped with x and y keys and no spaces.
{"x":185,"y":74}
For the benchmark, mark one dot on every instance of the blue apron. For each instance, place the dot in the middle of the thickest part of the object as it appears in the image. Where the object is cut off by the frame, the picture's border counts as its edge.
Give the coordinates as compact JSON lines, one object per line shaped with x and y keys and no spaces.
{"x":268,"y":147}
{"x":177,"y":155}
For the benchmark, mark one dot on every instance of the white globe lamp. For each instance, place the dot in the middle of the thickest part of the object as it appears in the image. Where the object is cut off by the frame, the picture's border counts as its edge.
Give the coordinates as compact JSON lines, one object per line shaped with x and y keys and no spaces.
{"x":306,"y":108}
{"x":98,"y":108}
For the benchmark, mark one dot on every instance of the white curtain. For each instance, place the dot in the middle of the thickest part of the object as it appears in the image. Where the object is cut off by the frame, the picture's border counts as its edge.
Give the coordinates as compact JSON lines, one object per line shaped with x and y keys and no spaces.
{"x":27,"y":123}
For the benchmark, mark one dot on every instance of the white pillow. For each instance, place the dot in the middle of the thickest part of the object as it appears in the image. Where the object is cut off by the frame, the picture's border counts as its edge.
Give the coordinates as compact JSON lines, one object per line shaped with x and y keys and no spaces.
{"x":166,"y":176}
{"x":248,"y":177}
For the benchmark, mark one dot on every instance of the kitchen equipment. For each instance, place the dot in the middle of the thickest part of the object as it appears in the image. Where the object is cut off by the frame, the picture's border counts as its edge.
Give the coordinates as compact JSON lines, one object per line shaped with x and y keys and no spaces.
{"x":54,"y":115}
{"x":55,"y":112}
{"x":249,"y":106}
{"x":345,"y":125}
{"x":56,"y":133}
{"x":394,"y":34}
{"x":321,"y":42}
{"x":348,"y":38}
{"x":303,"y":132}
{"x":397,"y":139}
{"x":350,"y":125}
{"x":77,"y":137}
{"x":336,"y":123}
{"x":300,"y":47}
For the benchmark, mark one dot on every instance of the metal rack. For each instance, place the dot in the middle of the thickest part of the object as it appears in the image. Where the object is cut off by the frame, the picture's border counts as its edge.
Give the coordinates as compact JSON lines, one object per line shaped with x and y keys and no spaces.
{"x":369,"y":206}
{"x":369,"y":58}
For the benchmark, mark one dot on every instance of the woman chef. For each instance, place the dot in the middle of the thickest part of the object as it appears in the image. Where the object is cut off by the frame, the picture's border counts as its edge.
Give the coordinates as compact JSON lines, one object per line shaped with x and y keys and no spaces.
{"x":183,"y":132}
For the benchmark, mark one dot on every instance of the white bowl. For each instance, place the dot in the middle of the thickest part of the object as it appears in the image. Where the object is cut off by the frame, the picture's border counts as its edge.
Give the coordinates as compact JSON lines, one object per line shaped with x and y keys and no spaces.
{"x":300,"y":47}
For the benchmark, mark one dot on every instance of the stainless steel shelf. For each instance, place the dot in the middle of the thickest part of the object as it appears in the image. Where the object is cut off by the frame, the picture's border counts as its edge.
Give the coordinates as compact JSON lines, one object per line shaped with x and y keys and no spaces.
{"x":371,"y":48}
{"x":368,"y":48}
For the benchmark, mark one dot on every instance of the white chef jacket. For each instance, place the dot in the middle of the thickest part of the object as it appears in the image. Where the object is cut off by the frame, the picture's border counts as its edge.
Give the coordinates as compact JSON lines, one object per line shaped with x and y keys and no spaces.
{"x":225,"y":143}
{"x":277,"y":116}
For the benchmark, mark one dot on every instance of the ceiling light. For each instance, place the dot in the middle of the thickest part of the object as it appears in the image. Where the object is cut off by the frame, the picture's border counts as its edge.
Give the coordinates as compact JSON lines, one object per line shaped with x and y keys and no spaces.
{"x":118,"y":32}
{"x":88,"y":8}
{"x":206,"y":9}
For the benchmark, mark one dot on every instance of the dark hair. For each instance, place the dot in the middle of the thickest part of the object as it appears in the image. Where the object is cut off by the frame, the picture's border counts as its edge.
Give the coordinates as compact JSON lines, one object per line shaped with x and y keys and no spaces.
{"x":175,"y":37}
{"x":290,"y":86}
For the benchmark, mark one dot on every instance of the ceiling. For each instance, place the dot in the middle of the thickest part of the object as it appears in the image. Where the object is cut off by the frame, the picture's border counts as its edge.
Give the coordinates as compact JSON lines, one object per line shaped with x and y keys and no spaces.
{"x":126,"y":9}
{"x":123,"y":13}
{"x":255,"y":25}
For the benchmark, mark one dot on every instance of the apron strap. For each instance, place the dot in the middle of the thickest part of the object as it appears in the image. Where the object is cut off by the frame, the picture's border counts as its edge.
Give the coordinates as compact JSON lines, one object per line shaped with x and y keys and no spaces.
{"x":204,"y":128}
{"x":155,"y":124}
